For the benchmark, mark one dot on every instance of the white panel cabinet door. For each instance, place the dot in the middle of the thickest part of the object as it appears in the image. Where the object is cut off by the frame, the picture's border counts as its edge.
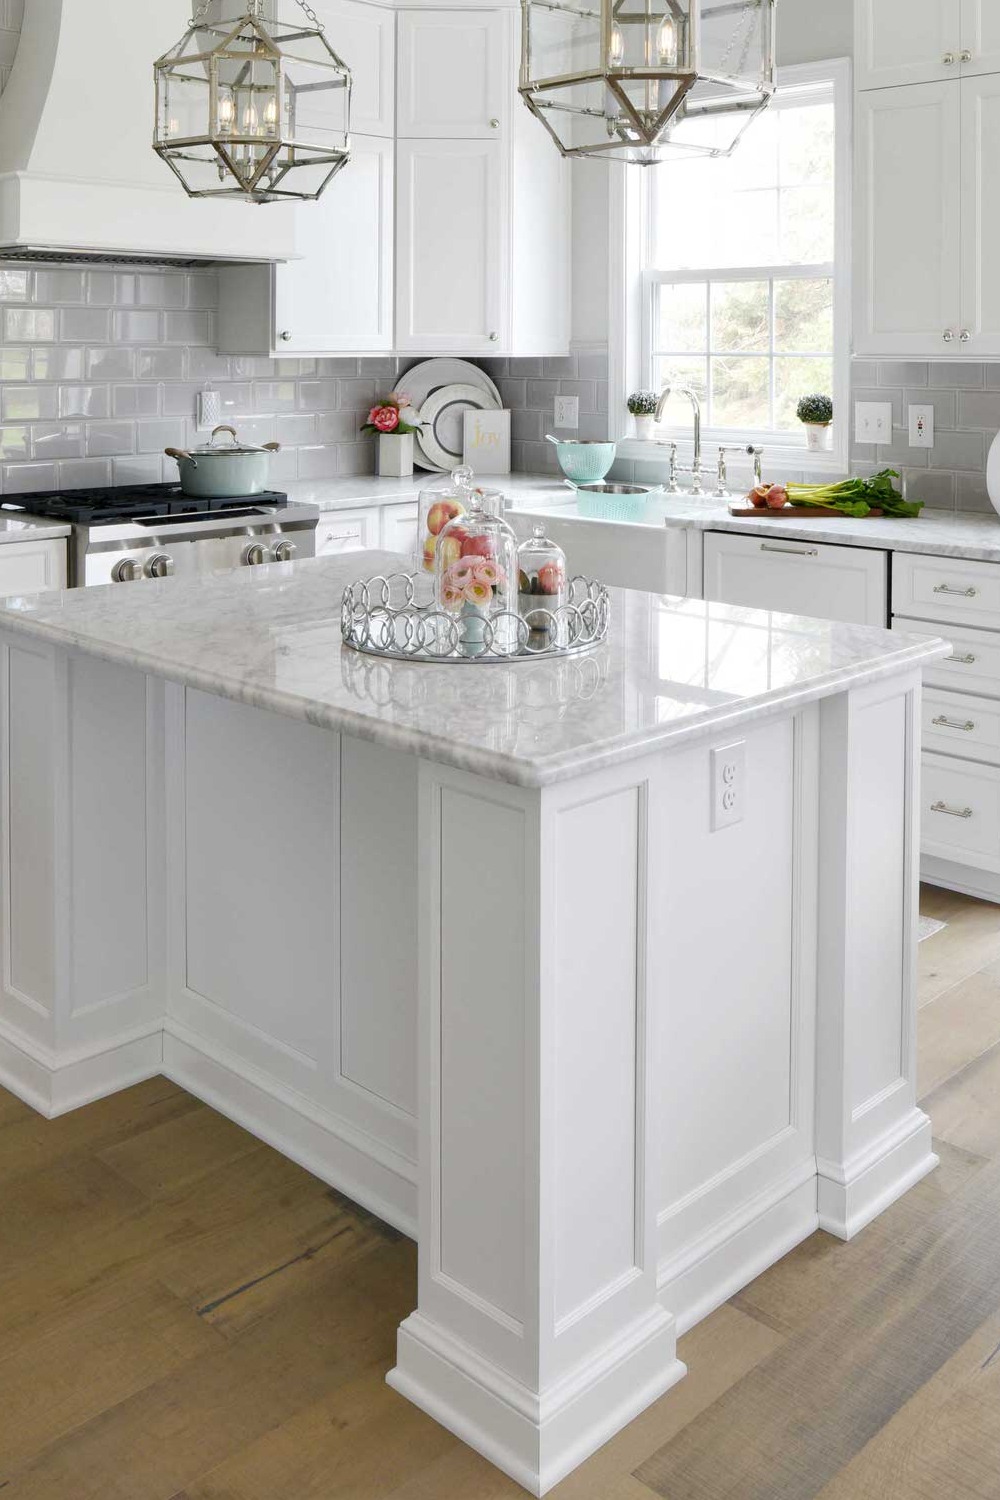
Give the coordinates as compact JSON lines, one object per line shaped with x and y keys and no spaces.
{"x":347,"y":531}
{"x":793,"y":577}
{"x":980,"y":331}
{"x":32,"y":567}
{"x":364,"y":36}
{"x":454,"y":73}
{"x":980,"y":37}
{"x":908,"y":41}
{"x":399,"y":528}
{"x":452,"y":227}
{"x":907,"y":221}
{"x":338,"y":297}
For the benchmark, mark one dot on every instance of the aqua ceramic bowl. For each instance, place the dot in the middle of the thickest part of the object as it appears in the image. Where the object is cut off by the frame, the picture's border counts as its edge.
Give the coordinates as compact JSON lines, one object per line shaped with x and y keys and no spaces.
{"x":584,"y":462}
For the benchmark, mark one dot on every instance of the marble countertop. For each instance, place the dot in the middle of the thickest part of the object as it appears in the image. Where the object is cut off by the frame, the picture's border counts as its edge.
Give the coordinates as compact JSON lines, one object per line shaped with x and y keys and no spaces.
{"x":948,"y":533}
{"x":17,"y":526}
{"x":671,"y":669}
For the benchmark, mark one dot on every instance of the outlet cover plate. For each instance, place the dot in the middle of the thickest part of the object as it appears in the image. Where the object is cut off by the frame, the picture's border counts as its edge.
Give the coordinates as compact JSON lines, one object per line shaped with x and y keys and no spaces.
{"x":921,"y":424}
{"x":567,"y":412}
{"x":208,"y":414}
{"x":873,"y":421}
{"x":729,"y":784}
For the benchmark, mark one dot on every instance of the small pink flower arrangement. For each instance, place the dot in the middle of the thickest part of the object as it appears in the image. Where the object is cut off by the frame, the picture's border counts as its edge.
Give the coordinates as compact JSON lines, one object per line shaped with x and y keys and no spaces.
{"x":470,"y":580}
{"x":392,"y":416}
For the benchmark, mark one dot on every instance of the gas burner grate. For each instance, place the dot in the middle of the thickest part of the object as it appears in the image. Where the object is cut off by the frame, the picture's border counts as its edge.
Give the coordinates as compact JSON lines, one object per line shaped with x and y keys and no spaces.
{"x":106,"y":506}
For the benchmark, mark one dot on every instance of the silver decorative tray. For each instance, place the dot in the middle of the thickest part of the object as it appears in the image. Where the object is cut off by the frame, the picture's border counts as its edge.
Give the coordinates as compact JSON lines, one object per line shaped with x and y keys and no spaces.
{"x":395,"y":615}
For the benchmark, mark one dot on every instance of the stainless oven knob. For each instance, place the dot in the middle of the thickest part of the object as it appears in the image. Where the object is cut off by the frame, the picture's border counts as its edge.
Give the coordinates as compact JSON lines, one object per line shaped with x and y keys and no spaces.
{"x":284,"y":551}
{"x":256,"y":554}
{"x":126,"y":571}
{"x":160,"y":565}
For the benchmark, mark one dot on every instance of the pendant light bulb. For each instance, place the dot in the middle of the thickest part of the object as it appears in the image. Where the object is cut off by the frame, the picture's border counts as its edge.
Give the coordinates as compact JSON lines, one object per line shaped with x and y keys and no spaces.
{"x":666,"y":43}
{"x":271,"y":113}
{"x":616,"y":52}
{"x":227,"y":114}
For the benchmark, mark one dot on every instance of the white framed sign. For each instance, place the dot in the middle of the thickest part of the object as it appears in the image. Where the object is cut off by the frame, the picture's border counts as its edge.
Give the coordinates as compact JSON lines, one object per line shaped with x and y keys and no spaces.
{"x":487,"y":441}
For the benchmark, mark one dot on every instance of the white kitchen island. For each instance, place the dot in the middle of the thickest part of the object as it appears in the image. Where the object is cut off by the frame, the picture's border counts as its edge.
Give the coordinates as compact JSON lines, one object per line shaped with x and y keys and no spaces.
{"x":658,"y":904}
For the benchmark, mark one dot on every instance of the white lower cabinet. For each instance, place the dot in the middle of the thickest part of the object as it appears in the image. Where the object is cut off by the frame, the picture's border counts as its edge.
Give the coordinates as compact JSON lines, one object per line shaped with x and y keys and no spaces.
{"x":32,"y":567}
{"x":399,"y":527}
{"x":960,"y":812}
{"x":798,"y":577}
{"x":347,"y":531}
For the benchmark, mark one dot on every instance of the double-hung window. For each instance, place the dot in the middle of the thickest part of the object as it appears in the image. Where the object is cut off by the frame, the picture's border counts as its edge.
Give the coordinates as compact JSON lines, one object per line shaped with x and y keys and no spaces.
{"x":745,"y":287}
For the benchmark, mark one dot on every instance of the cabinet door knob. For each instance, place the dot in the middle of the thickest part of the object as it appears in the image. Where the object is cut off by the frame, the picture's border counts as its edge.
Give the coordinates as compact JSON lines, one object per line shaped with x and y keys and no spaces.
{"x":494,"y":338}
{"x":965,"y":55}
{"x":949,"y":59}
{"x":949,"y":336}
{"x":494,"y":124}
{"x":286,"y":335}
{"x":964,"y":336}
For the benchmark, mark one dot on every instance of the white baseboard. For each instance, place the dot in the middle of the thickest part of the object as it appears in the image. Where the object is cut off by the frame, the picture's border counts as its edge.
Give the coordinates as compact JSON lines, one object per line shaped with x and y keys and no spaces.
{"x":296,"y":1132}
{"x":850,"y":1197}
{"x":713,"y":1269}
{"x":537,"y":1440}
{"x":966,"y":879}
{"x":55,"y":1086}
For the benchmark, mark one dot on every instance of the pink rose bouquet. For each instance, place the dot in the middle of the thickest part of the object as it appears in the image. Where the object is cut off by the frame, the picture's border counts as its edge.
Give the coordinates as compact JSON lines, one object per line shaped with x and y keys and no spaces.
{"x":470,"y":580}
{"x":394,"y":415}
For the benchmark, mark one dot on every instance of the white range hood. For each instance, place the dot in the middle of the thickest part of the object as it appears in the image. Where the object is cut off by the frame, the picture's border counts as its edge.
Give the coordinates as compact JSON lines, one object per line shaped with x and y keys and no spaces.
{"x":77,"y":171}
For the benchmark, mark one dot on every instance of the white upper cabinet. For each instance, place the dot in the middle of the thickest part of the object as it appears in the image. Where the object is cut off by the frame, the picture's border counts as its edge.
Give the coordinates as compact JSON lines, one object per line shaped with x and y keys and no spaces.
{"x":337,"y":297}
{"x":907,"y":41}
{"x":980,"y":331}
{"x":451,"y":294}
{"x":924,"y":41}
{"x":363,"y":36}
{"x":907,"y":221}
{"x":455,"y":73}
{"x":980,"y":36}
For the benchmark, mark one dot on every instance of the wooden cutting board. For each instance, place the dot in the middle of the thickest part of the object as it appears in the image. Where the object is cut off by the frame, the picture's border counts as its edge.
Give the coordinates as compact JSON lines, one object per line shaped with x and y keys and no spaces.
{"x":798,"y":511}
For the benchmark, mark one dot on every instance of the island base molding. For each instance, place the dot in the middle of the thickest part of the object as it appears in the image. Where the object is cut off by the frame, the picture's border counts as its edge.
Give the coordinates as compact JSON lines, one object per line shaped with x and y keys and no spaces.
{"x":634,"y":1083}
{"x":969,"y":880}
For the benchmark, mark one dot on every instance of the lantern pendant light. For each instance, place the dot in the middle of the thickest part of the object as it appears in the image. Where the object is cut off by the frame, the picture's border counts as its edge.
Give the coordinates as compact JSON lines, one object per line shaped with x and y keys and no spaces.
{"x":646,"y":80}
{"x":253,"y":108}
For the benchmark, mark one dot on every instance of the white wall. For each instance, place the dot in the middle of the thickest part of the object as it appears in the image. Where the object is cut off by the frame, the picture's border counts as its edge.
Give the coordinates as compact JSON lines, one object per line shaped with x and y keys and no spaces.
{"x":812,"y":30}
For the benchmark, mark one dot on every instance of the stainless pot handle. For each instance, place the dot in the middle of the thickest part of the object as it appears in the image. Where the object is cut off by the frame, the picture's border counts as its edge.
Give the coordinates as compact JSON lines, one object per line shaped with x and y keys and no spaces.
{"x":224,"y":427}
{"x":272,"y":447}
{"x":180,"y":453}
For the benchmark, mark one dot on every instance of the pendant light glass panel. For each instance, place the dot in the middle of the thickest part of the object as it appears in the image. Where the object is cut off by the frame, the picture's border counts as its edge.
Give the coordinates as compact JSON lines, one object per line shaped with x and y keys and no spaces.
{"x":642,"y":80}
{"x":253,"y":108}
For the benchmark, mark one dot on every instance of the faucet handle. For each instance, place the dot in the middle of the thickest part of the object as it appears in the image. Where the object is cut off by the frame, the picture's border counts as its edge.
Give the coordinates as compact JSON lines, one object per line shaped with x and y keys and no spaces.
{"x":756,"y":454}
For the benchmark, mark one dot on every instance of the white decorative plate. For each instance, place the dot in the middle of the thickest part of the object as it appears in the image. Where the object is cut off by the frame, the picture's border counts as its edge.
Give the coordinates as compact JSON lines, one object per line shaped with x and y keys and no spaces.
{"x":442,"y":436}
{"x":429,"y":376}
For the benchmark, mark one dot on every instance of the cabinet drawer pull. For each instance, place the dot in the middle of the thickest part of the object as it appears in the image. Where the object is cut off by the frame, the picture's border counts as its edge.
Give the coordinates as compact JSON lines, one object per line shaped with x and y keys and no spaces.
{"x":953,"y":812}
{"x":947,"y":723}
{"x":343,"y":536}
{"x":949,"y":59}
{"x":965,"y":661}
{"x":792,"y":551}
{"x":965,"y":54}
{"x":945,"y":588}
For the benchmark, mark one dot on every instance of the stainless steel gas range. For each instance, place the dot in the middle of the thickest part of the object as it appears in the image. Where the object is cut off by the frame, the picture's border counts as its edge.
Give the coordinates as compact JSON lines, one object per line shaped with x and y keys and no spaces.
{"x":127,"y":533}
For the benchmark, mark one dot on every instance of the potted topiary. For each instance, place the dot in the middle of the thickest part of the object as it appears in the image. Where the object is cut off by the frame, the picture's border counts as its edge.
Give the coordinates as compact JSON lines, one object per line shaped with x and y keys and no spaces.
{"x":816,"y":414}
{"x":642,"y":405}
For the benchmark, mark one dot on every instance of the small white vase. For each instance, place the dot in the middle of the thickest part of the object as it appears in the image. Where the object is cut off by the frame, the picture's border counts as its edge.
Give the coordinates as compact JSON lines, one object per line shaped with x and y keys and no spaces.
{"x":993,"y":474}
{"x":817,"y":436}
{"x":395,"y":454}
{"x":644,"y":427}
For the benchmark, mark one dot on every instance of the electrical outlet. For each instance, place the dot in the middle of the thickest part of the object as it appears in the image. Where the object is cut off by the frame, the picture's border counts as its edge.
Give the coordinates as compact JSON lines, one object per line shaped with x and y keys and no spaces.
{"x":567,"y":413}
{"x":873,"y":421}
{"x":921,"y":419}
{"x":208,"y":412}
{"x":729,"y":775}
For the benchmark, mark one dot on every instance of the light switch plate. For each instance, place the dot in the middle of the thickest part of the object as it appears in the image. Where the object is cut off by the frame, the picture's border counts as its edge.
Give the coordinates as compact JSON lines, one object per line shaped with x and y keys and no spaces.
{"x":921,"y":421}
{"x":567,"y":412}
{"x":208,"y":413}
{"x":873,"y":421}
{"x":729,"y":778}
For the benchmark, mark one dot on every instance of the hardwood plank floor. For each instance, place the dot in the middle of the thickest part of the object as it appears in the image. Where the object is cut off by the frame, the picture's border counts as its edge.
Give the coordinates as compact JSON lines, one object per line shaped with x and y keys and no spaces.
{"x":185,"y":1315}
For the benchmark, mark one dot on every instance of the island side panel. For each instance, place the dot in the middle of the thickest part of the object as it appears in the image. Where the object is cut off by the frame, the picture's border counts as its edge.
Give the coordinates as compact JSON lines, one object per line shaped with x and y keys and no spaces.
{"x":873,"y":1143}
{"x":280,"y":986}
{"x":734,"y":947}
{"x":538,"y":1332}
{"x":82,"y":927}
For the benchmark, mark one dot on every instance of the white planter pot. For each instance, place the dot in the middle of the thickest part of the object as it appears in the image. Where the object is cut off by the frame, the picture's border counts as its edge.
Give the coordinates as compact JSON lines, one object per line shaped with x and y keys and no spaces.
{"x":395,"y":454}
{"x":817,"y":436}
{"x":644,"y":427}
